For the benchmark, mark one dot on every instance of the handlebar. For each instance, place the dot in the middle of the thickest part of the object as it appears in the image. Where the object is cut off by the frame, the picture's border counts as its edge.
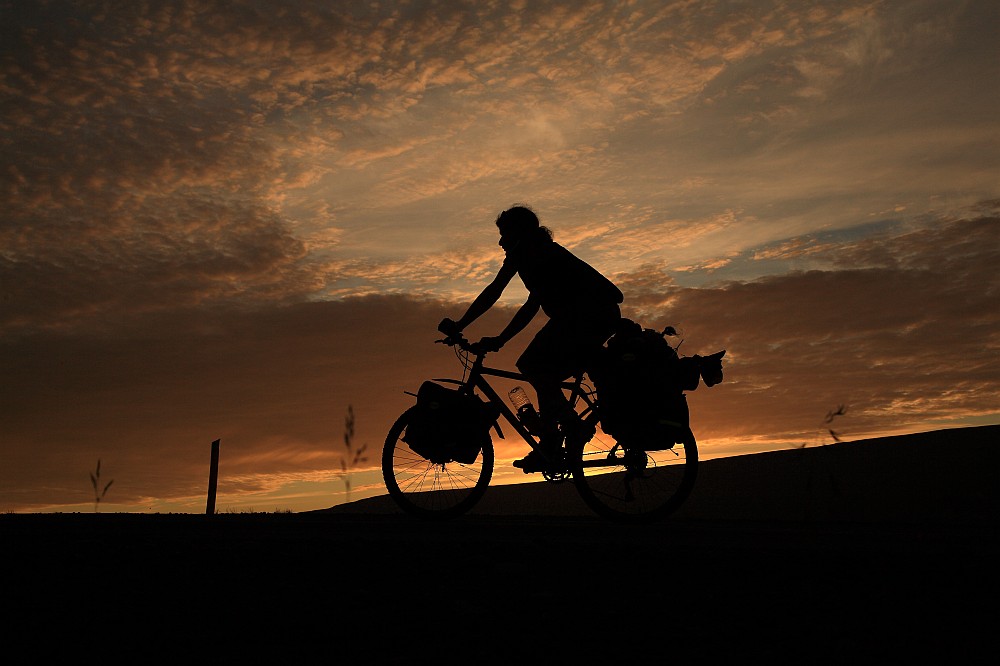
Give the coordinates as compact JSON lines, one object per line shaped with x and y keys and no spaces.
{"x":462,"y":343}
{"x":452,"y":340}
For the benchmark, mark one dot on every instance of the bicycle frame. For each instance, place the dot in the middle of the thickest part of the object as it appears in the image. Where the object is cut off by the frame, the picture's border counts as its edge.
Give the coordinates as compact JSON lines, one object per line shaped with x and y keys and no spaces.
{"x":477,"y":379}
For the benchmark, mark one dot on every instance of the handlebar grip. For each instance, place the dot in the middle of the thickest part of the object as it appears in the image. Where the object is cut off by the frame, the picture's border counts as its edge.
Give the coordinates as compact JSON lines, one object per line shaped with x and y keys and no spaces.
{"x":451,"y":341}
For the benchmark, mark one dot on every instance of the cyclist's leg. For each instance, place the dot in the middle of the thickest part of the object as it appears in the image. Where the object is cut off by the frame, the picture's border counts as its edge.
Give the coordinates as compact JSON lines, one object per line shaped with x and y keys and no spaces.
{"x":562,"y":348}
{"x":541,"y":367}
{"x":545,"y":363}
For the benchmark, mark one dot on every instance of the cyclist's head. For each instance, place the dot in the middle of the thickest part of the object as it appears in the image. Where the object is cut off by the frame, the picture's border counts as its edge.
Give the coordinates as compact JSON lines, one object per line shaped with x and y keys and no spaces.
{"x":517,"y":223}
{"x":517,"y":220}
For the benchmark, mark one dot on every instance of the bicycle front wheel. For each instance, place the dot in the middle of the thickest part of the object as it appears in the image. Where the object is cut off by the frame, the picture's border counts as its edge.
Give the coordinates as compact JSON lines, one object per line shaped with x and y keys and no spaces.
{"x":432,"y":489}
{"x":635,"y":485}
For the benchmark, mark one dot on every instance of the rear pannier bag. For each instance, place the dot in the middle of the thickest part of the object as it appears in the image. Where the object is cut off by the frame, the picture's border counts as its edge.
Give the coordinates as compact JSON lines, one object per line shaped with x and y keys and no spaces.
{"x":640,"y":381}
{"x":449,"y":425}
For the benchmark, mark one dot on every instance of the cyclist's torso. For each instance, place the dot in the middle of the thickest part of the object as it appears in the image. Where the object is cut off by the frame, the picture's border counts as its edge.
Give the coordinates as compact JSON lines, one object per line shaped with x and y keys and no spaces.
{"x":566,"y":286}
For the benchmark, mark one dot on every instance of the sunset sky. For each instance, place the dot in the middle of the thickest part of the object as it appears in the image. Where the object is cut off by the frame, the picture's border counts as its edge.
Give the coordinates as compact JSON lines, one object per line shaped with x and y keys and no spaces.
{"x":234,"y":220}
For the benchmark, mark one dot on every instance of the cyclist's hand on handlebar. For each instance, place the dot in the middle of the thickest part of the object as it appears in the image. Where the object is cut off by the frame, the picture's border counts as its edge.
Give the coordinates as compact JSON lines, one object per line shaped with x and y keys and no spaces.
{"x":450,"y":328}
{"x":487,"y":345}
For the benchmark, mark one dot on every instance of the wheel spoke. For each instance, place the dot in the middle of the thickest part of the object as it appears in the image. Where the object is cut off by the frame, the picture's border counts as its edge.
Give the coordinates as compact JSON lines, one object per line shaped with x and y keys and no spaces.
{"x":432,"y":489}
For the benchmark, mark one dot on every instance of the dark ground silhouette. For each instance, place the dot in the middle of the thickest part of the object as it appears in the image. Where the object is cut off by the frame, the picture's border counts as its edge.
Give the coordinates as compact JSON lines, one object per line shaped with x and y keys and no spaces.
{"x":890,"y":553}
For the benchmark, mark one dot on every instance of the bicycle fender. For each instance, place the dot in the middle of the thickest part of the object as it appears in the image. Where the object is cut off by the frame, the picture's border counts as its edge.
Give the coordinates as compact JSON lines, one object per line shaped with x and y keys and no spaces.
{"x":448,"y":381}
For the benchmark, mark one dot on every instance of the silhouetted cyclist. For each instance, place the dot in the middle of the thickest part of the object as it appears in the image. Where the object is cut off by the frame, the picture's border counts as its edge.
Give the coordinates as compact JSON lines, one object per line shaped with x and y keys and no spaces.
{"x":582,"y":307}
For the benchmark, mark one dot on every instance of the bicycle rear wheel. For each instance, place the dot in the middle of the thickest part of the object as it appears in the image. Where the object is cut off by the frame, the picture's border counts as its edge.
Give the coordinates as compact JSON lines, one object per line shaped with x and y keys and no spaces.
{"x":430,"y":489}
{"x":633,"y":485}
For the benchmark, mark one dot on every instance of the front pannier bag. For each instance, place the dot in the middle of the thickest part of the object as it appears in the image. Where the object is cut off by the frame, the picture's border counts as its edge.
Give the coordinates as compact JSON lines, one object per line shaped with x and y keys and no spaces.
{"x":448,"y":424}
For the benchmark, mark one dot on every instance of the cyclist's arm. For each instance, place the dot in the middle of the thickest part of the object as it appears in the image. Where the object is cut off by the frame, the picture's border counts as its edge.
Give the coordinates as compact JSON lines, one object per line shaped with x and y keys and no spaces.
{"x":490,"y":295}
{"x":521,"y":319}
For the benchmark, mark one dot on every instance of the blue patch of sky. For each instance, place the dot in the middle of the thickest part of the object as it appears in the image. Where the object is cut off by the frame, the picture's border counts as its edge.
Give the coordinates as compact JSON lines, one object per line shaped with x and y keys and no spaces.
{"x":804,"y":252}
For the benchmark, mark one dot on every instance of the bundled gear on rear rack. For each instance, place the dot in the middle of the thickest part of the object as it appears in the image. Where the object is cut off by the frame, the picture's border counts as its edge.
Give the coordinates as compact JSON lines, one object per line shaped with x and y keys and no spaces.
{"x":641,"y":380}
{"x":449,"y":424}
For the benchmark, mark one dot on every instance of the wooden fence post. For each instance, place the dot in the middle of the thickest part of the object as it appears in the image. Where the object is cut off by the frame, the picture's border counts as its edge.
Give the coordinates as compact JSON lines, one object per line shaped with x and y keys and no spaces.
{"x":213,"y":477}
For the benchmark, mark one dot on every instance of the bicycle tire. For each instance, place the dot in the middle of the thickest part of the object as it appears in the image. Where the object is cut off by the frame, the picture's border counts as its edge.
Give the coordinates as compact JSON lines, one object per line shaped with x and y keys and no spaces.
{"x":634,"y":485}
{"x":432,"y":490}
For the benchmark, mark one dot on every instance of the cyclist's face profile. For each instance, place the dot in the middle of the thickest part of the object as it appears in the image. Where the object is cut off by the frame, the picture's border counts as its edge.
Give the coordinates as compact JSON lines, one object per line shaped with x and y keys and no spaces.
{"x":507,"y":242}
{"x":509,"y":239}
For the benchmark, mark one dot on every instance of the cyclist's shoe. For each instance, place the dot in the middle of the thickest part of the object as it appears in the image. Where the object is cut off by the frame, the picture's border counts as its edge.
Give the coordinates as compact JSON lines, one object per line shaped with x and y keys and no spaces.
{"x":536,"y":461}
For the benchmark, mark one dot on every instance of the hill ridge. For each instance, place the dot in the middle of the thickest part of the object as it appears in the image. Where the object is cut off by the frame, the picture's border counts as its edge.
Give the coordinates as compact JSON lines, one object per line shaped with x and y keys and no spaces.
{"x":946,"y":475}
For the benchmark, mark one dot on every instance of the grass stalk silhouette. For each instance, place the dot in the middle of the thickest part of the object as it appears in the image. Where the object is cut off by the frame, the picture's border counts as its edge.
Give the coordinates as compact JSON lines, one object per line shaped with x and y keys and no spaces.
{"x":351,"y":458}
{"x":828,"y":426}
{"x":830,"y":416}
{"x":95,"y":481}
